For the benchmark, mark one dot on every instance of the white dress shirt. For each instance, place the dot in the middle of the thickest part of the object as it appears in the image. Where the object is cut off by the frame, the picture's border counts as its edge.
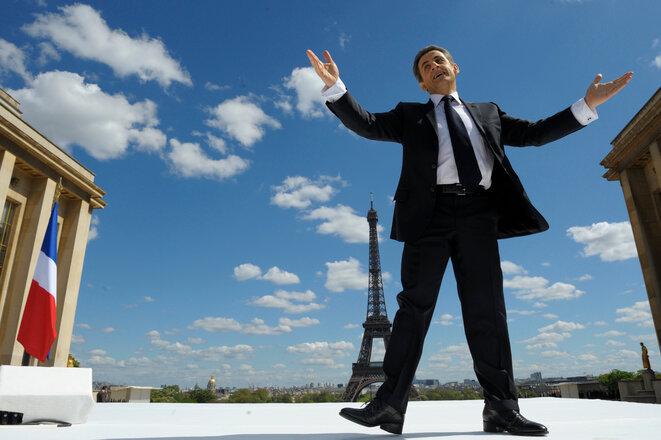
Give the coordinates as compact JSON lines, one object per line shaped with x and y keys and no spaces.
{"x":446,"y":171}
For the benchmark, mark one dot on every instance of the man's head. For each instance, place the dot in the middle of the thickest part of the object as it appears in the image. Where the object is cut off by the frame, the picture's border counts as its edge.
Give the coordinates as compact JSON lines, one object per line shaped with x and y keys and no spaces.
{"x":435,"y":70}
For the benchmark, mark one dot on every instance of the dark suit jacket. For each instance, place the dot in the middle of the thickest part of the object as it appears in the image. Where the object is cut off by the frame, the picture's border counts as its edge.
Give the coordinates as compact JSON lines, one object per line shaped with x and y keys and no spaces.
{"x":414,"y":126}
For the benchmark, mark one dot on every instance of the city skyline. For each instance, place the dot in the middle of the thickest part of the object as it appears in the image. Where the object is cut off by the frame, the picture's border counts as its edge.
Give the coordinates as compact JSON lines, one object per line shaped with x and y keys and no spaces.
{"x":234,"y":242}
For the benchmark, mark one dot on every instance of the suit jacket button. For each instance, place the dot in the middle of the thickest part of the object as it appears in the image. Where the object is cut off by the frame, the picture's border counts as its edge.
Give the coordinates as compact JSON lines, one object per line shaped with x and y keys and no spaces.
{"x":432,"y":189}
{"x":433,"y":166}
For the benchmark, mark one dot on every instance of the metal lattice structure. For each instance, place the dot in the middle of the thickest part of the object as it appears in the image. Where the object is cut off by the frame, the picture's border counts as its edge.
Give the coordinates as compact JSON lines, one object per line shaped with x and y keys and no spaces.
{"x":376,"y":325}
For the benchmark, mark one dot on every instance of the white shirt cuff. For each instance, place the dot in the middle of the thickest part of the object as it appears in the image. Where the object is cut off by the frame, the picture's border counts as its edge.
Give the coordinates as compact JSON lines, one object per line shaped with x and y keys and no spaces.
{"x":334,"y":92}
{"x":583,"y":114}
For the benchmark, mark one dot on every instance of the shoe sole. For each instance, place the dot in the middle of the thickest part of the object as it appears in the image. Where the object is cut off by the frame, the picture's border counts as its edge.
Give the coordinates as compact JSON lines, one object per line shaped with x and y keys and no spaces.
{"x":393,"y":428}
{"x":492,"y":427}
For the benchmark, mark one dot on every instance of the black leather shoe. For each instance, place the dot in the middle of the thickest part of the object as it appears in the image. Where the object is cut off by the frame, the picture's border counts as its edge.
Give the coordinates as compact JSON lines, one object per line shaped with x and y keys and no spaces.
{"x":511,"y":421}
{"x":376,"y":413}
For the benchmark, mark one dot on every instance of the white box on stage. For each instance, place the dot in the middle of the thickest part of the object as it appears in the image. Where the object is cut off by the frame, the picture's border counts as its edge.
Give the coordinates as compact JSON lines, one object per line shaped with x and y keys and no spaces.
{"x":47,"y":393}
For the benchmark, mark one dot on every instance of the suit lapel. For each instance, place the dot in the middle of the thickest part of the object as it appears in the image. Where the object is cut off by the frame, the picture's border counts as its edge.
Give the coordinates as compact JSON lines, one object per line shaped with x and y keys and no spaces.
{"x":430,"y":117}
{"x":476,"y":114}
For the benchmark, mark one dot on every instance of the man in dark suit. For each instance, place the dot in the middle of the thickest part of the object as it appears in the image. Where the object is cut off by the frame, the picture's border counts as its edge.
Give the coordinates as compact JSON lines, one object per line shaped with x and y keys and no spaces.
{"x":457,"y":194}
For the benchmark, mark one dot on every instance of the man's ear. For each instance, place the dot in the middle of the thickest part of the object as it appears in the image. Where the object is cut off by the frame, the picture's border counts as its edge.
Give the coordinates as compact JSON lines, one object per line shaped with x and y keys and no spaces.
{"x":423,"y":87}
{"x":456,"y":69}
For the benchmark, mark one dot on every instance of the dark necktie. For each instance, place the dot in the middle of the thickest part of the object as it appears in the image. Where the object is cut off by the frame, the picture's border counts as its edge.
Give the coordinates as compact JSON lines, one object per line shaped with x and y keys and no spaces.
{"x":464,"y":155}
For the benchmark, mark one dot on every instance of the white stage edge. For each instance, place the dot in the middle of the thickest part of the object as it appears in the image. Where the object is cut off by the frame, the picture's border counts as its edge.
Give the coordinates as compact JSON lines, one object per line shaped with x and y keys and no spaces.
{"x":567,"y":419}
{"x":46,"y":393}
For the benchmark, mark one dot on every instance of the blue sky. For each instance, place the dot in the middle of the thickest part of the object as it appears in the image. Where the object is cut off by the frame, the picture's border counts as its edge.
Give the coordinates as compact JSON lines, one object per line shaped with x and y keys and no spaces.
{"x":234,"y":241}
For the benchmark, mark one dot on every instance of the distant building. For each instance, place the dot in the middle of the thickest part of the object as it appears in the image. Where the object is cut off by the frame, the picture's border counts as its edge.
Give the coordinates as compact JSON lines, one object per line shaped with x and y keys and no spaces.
{"x":30,"y":168}
{"x":536,"y":376}
{"x":427,"y":382}
{"x":211,"y":385}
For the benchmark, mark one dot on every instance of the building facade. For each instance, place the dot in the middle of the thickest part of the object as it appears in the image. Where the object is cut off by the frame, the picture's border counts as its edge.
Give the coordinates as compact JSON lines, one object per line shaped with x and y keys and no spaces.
{"x":635,"y":161}
{"x":30,"y":168}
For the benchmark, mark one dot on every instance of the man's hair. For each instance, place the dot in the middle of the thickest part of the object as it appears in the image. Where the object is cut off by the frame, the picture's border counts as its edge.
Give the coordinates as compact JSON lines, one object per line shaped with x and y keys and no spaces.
{"x":422,"y":52}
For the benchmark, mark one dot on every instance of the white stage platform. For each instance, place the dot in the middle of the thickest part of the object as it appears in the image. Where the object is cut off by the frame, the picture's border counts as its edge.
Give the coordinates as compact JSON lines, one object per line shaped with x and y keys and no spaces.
{"x":567,"y":419}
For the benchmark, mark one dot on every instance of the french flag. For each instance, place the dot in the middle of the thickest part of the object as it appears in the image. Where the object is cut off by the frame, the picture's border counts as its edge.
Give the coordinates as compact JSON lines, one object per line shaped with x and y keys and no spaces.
{"x":37,"y":331}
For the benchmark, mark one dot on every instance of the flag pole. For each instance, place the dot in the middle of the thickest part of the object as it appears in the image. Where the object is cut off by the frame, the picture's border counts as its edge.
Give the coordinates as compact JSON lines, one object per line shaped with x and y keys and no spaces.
{"x":56,"y":197}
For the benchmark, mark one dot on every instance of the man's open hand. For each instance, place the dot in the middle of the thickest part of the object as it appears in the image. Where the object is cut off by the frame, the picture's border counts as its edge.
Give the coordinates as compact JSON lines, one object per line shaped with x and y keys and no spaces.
{"x":599,"y":92}
{"x":327,"y":71}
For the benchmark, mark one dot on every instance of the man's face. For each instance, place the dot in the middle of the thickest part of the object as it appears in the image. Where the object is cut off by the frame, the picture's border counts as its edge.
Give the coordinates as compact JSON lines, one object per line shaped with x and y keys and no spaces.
{"x":439,"y":75}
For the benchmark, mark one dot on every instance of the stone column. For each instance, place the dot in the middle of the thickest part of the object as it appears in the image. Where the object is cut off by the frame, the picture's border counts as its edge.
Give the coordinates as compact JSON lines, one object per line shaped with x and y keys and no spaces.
{"x":33,"y":229}
{"x":7,"y":161}
{"x":655,"y":153}
{"x":647,"y":233}
{"x":70,"y":256}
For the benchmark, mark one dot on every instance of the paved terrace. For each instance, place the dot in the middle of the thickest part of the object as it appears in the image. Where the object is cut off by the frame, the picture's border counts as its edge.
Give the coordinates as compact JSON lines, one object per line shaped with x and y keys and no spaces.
{"x":567,"y":419}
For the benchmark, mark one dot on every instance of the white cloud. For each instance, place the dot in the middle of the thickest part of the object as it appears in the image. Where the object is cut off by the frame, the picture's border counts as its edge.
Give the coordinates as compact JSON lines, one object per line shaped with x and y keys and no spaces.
{"x":550,"y":316}
{"x":299,"y":192}
{"x":108,"y":330}
{"x":600,"y":323}
{"x":551,"y":354}
{"x":104,"y":125}
{"x":530,"y":288}
{"x":189,"y":160}
{"x":213,"y":325}
{"x":585,"y":277}
{"x":323,"y":349}
{"x":561,"y":326}
{"x":255,"y":327}
{"x":94,"y":228}
{"x":344,"y":39}
{"x":351,"y":326}
{"x":80,"y":30}
{"x":186,"y":352}
{"x":104,"y":361}
{"x":510,"y":268}
{"x":639,"y":312}
{"x":522,"y":312}
{"x":12,"y":60}
{"x":613,"y":343}
{"x":284,"y":300}
{"x":447,"y":319}
{"x":149,"y":299}
{"x":98,"y":352}
{"x":657,"y":61}
{"x":307,"y":85}
{"x":342,"y":222}
{"x":47,"y":52}
{"x":611,"y":241}
{"x":216,"y":143}
{"x":587,"y":357}
{"x":241,"y":119}
{"x":77,"y":339}
{"x":215,"y":87}
{"x":278,"y":276}
{"x":451,"y":353}
{"x":610,"y":334}
{"x":345,"y":274}
{"x":247,"y":271}
{"x":545,"y":340}
{"x":275,"y":275}
{"x":303,"y":322}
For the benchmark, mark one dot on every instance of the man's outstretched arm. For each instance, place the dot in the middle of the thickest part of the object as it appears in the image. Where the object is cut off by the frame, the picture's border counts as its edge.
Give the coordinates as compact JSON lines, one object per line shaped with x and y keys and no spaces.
{"x":599,"y":92}
{"x":328,"y":71}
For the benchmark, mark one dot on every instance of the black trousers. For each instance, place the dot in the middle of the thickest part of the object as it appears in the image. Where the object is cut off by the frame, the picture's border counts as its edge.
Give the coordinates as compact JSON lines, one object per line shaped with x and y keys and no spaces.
{"x":463,"y":229}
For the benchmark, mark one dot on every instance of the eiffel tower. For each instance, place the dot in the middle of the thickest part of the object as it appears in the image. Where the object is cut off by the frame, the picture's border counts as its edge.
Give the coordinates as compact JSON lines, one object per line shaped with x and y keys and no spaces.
{"x":377,"y":325}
